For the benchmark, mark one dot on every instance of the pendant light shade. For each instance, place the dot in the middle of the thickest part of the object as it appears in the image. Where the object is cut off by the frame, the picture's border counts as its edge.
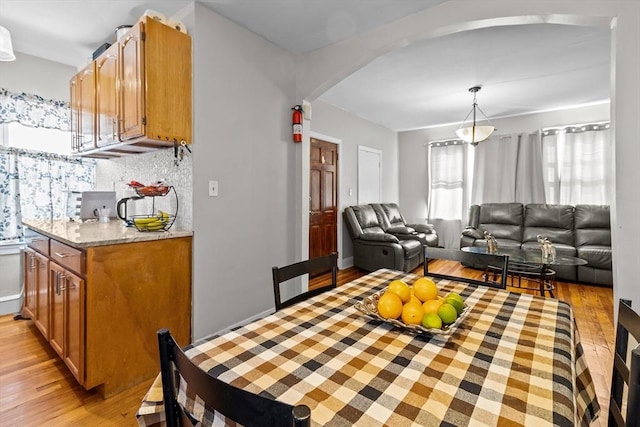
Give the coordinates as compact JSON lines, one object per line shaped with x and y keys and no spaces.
{"x":6,"y":49}
{"x":475,"y":133}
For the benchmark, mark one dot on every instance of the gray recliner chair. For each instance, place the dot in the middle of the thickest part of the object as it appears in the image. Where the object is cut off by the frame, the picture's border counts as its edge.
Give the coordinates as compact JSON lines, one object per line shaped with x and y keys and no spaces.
{"x":392,"y":222}
{"x":373,"y":248}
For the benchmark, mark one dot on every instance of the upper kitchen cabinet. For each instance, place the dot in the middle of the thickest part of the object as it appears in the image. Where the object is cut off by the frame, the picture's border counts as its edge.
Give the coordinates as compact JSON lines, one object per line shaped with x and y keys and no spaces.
{"x":82,"y":110}
{"x":142,"y":90}
{"x":106,"y":90}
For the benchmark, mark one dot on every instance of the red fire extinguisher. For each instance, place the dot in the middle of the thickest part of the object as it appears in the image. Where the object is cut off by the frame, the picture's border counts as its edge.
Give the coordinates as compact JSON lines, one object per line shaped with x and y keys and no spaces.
{"x":296,"y":120}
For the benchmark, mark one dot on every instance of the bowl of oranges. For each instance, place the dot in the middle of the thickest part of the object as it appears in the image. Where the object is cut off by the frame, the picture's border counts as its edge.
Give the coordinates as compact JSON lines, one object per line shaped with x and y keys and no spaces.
{"x":417,"y":308}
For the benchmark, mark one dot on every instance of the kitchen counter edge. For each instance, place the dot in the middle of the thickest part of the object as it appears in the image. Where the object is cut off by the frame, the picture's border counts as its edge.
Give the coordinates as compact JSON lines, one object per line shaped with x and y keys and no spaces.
{"x":89,"y":234}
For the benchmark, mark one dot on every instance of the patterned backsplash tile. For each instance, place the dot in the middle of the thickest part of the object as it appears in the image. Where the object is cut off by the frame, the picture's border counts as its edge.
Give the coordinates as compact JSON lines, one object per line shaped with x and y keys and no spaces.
{"x":114,"y":174}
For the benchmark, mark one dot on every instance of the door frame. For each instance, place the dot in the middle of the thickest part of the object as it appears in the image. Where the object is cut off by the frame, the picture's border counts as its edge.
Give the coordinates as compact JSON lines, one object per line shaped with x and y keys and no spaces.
{"x":304,"y":249}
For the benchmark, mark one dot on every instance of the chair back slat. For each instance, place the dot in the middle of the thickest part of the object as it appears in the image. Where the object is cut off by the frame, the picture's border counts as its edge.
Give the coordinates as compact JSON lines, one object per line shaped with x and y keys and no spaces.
{"x":234,"y":403}
{"x":626,"y":371}
{"x":311,"y":266}
{"x":501,"y":262}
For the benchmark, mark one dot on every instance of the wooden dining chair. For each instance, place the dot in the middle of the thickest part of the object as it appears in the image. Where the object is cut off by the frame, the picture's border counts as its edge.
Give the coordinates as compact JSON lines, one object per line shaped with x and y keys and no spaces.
{"x":311,"y":266}
{"x":234,"y":403}
{"x":499,"y":264}
{"x":626,"y":371}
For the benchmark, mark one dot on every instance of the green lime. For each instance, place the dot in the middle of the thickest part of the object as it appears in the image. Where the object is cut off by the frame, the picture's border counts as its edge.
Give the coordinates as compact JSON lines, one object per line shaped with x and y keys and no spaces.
{"x":447,"y":313}
{"x":459,"y":306}
{"x":455,"y":296}
{"x":432,"y":320}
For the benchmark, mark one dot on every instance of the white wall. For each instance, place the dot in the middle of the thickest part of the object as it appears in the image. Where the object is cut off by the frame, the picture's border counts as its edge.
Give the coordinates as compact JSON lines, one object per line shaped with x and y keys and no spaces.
{"x":30,"y":74}
{"x":243,"y":92}
{"x":414,"y":154}
{"x":354,"y":131}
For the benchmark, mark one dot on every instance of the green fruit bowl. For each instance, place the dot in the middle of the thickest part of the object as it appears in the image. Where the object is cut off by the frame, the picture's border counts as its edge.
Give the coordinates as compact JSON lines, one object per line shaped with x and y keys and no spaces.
{"x":369,"y":307}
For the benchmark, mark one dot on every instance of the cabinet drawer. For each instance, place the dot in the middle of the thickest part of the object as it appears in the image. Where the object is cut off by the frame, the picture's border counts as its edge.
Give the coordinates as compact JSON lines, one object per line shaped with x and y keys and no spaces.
{"x":68,"y":257}
{"x":37,"y":241}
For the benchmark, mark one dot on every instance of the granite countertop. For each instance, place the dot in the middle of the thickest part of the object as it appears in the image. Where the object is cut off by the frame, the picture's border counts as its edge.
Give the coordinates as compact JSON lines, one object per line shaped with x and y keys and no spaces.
{"x":94,"y":233}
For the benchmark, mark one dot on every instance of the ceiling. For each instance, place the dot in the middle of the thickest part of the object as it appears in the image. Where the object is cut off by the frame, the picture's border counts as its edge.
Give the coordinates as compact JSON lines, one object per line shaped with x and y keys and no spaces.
{"x":522,"y":69}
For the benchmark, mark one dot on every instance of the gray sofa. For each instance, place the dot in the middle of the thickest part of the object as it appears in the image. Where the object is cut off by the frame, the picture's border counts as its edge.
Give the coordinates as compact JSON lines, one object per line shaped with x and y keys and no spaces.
{"x":583,"y":231}
{"x":382,"y":238}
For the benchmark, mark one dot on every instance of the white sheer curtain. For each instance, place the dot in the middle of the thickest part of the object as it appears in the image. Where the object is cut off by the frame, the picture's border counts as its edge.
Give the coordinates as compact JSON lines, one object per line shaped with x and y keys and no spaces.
{"x":578,"y":164}
{"x":448,"y":196}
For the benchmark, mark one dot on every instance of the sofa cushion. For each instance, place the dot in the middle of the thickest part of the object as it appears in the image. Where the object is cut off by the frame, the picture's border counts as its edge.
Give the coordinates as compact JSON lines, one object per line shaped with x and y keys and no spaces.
{"x":596,"y":256}
{"x":367,"y":219}
{"x":502,"y":220}
{"x":593,"y":225}
{"x":411,"y":248}
{"x":393,"y":213}
{"x":555,"y":222}
{"x":561,"y":248}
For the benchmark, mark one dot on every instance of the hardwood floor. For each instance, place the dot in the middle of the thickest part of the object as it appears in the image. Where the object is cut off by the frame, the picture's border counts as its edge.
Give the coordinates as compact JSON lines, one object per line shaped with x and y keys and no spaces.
{"x":37,"y":389}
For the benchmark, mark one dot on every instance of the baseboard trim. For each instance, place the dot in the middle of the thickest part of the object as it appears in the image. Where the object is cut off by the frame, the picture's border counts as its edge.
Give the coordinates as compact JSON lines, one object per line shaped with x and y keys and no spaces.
{"x":244,"y":322}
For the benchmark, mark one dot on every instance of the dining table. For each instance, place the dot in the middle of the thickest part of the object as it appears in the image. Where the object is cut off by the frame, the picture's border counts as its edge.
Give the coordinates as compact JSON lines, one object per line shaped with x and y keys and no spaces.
{"x":513,"y":359}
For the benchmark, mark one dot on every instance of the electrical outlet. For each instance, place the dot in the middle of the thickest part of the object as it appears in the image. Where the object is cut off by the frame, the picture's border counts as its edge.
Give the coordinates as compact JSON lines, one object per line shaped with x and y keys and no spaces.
{"x":213,"y":188}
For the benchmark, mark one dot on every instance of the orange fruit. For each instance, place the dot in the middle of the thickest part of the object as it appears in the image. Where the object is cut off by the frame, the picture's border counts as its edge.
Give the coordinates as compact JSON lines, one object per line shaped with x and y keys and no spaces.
{"x":401,"y":289}
{"x":431,"y":306}
{"x":412,"y":314}
{"x":414,"y":300}
{"x":389,"y":306}
{"x":425,"y":289}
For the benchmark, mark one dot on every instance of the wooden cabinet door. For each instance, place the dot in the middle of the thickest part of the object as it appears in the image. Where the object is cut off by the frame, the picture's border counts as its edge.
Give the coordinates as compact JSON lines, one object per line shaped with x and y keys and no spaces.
{"x":73,"y":290}
{"x":86,"y":91}
{"x":56,"y":308}
{"x":106,"y":97}
{"x":66,"y":331}
{"x":41,"y":319}
{"x":132,"y":88}
{"x":74,"y":101}
{"x":30,"y":291}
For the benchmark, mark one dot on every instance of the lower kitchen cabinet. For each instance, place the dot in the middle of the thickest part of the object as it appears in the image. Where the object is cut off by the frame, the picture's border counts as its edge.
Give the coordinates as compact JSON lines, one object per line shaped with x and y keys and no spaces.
{"x":30,"y":291}
{"x":100,"y":307}
{"x":36,"y":284}
{"x":67,"y":318}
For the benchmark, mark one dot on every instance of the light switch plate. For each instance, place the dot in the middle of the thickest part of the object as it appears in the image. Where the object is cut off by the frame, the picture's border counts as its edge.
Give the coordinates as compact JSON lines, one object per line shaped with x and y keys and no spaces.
{"x":213,"y":188}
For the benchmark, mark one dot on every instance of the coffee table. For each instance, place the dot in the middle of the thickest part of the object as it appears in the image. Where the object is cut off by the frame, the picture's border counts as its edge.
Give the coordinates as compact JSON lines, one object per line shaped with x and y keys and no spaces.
{"x":530,"y":263}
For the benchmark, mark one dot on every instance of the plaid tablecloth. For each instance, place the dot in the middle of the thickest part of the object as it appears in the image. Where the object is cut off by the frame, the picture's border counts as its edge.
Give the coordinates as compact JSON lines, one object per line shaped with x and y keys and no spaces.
{"x":515,"y":360}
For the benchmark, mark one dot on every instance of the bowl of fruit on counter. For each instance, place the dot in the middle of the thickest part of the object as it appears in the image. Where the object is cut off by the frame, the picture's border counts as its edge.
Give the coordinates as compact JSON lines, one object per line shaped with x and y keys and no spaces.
{"x":161,"y":221}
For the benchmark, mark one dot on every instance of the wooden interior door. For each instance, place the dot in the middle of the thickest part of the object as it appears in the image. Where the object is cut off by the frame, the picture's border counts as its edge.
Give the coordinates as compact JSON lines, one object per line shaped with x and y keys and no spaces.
{"x":323,"y":198}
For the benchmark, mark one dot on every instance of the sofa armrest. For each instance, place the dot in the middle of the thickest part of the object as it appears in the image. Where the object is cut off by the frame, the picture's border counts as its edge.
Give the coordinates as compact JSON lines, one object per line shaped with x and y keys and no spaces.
{"x":400,"y":229}
{"x":423,"y":228}
{"x":378,"y":237}
{"x":473,"y":232}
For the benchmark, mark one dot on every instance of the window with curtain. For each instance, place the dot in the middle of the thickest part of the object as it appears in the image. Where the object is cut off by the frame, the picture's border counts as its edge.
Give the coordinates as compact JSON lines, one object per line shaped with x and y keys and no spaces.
{"x":578,"y":164}
{"x":35,"y":181}
{"x":449,"y":165}
{"x":449,"y":186}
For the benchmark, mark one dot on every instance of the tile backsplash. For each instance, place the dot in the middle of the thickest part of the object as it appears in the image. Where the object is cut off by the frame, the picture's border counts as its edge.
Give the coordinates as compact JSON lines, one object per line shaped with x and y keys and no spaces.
{"x":147,"y":168}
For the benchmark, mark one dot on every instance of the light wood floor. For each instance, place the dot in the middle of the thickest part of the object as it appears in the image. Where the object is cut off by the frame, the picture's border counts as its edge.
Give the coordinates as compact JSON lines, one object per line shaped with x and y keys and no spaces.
{"x":37,"y":389}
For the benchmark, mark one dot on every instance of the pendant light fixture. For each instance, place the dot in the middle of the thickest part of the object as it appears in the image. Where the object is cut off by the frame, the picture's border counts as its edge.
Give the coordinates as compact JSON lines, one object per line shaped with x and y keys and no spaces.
{"x":475,"y":133}
{"x":6,"y":49}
